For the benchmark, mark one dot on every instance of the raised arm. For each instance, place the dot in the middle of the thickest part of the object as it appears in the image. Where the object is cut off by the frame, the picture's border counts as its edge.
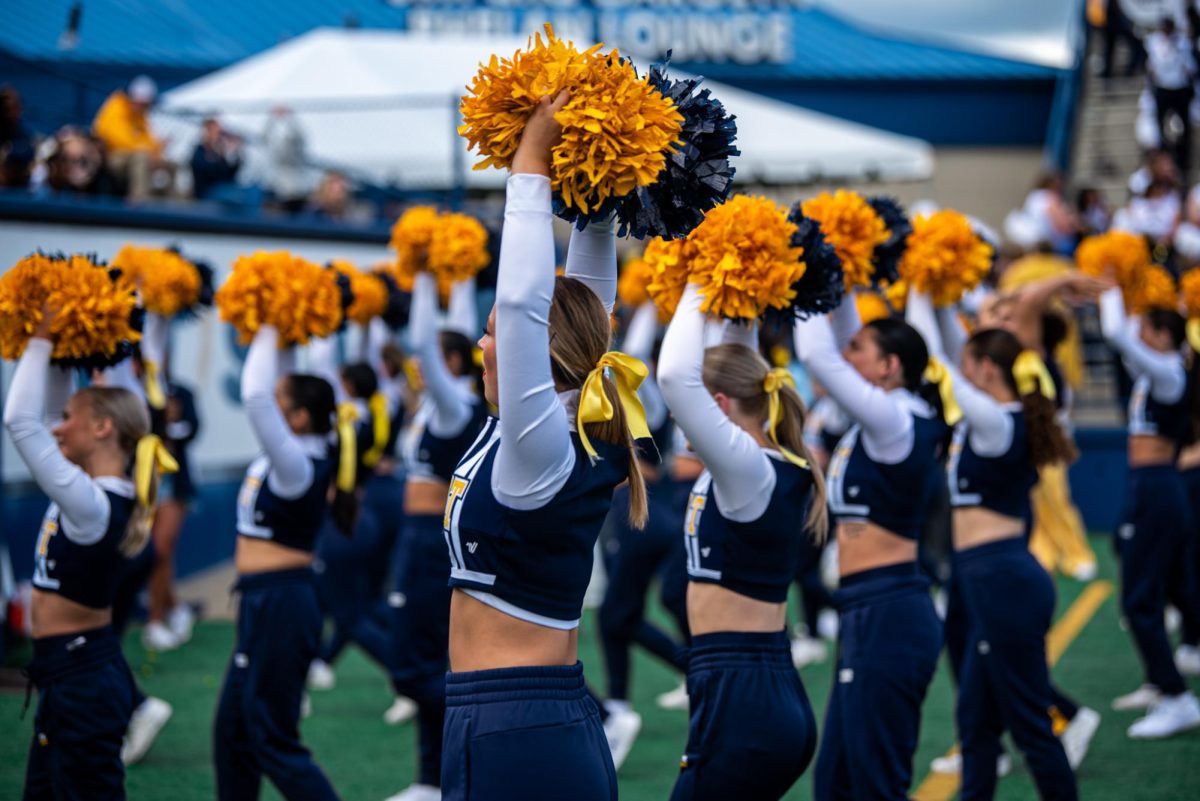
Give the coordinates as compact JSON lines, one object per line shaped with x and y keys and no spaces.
{"x":592,"y":258}
{"x":887,"y":427}
{"x":85,"y":508}
{"x":323,"y":362}
{"x":1168,"y":379}
{"x":639,"y":343}
{"x":451,"y":402}
{"x":291,"y":469}
{"x":743,"y":476}
{"x":154,"y":354}
{"x":463,"y":314}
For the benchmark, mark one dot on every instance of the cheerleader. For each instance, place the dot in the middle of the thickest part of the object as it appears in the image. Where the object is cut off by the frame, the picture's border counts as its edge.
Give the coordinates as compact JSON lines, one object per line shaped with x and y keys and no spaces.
{"x":882,"y":483}
{"x":447,"y":421}
{"x":1008,"y":430}
{"x":1155,"y":524}
{"x":281,"y":505}
{"x":635,"y":558}
{"x":525,"y":508}
{"x":98,"y":519}
{"x":752,"y":731}
{"x":1186,"y":573}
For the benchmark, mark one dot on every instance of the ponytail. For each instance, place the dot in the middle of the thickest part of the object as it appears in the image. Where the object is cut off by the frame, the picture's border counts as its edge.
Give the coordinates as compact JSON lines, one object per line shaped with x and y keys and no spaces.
{"x":789,"y":433}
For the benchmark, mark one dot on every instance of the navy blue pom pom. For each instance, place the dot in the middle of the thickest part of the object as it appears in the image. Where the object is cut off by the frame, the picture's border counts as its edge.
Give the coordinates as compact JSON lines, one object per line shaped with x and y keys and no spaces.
{"x":395,"y":313}
{"x":889,"y":253}
{"x":207,"y":285}
{"x":821,"y":289}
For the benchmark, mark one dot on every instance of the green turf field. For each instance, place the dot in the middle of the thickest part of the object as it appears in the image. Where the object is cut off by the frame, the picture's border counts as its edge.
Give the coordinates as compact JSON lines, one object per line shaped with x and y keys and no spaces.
{"x":367,"y":760}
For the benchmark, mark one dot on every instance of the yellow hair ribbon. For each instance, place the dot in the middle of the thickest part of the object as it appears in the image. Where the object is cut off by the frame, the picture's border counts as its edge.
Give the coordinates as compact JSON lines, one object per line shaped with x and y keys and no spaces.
{"x":936,"y":373}
{"x":477,"y":356}
{"x":154,"y":391}
{"x":1193,"y":333}
{"x":382,"y":425}
{"x":1031,"y":375}
{"x":413,"y":375}
{"x":778,"y":378}
{"x":151,"y":454}
{"x":628,"y":374}
{"x":347,"y":415}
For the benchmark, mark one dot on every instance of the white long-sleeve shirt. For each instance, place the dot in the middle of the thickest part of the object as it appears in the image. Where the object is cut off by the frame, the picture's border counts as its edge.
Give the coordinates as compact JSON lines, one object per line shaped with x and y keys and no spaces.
{"x":1165,"y":371}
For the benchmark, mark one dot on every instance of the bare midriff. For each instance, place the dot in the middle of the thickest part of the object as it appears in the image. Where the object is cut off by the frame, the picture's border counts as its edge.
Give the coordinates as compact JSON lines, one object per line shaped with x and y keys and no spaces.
{"x":712,"y":608}
{"x":484,"y":638}
{"x":975,"y":525}
{"x":863,"y":545}
{"x":425,"y":496}
{"x":264,"y":556}
{"x":1149,"y":450}
{"x":51,"y":615}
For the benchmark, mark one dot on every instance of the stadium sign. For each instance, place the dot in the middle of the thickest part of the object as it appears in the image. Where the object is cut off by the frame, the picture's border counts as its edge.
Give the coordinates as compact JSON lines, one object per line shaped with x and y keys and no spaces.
{"x":740,"y":32}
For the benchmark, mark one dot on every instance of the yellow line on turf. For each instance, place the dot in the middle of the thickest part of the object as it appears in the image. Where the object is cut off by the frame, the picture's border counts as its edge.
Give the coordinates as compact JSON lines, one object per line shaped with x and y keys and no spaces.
{"x":943,"y":786}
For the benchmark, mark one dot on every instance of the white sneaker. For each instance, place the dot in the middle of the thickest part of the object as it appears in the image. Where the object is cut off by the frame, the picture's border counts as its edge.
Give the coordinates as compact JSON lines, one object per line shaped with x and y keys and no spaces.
{"x":827,"y":624}
{"x":1172,"y":619}
{"x":418,"y":792}
{"x":157,"y":637}
{"x":305,"y":707}
{"x":320,"y":675}
{"x":952,"y":764}
{"x":807,"y":650}
{"x":1187,"y":660}
{"x":1086,"y":571}
{"x":1143,"y":697}
{"x":144,"y":725}
{"x":402,"y":709}
{"x":621,"y":728}
{"x":1078,"y":735}
{"x":1171,"y":715}
{"x":180,"y":621}
{"x":676,"y":699}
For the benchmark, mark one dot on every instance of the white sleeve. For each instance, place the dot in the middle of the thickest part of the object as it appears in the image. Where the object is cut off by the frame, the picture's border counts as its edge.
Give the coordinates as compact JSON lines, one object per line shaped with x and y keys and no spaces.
{"x":954,"y":334}
{"x":84,"y":506}
{"x":121,"y":376}
{"x":741,"y":333}
{"x":323,"y":362}
{"x":154,"y":345}
{"x":592,"y":258}
{"x":535,"y":456}
{"x":845,"y":322}
{"x":463,"y":314}
{"x":452,"y":406}
{"x":642,"y":330}
{"x":743,"y":477}
{"x":886,"y":427}
{"x":291,"y":469}
{"x":918,"y":312}
{"x":1168,"y":378}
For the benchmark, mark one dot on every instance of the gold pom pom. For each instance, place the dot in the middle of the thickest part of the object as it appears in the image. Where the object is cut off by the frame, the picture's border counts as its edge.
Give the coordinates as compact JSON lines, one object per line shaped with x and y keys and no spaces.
{"x":1153,"y":289}
{"x":945,"y":257}
{"x":411,"y":237}
{"x":742,"y":257}
{"x":871,"y":306}
{"x":668,"y":274}
{"x":1189,"y":285}
{"x":635,"y":275}
{"x":370,"y":294}
{"x":92,"y":309}
{"x":617,"y":129}
{"x":896,"y":294}
{"x":169,"y":283}
{"x":298,"y":297}
{"x":1123,"y":257}
{"x":458,"y":247}
{"x":853,"y":228}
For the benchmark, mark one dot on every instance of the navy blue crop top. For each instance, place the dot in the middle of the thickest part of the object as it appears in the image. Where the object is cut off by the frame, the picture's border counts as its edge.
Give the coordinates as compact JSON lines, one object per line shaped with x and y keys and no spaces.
{"x":534,"y":565}
{"x":294,"y":522}
{"x":429,"y":456}
{"x":999,"y":483}
{"x":1148,"y":416}
{"x":896,"y":497}
{"x":758,"y":559}
{"x":85,"y":574}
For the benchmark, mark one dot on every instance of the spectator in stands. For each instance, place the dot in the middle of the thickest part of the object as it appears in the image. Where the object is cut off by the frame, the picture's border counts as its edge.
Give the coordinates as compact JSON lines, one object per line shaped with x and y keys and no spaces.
{"x":1154,"y":214}
{"x":334,"y":202}
{"x":1108,"y":16}
{"x":1172,"y":70}
{"x":135,"y":156}
{"x":72,"y":162}
{"x":215,"y":165}
{"x":1157,"y":165}
{"x":1092,"y":211}
{"x":16,"y":142}
{"x":287,"y":177}
{"x":1047,"y":208}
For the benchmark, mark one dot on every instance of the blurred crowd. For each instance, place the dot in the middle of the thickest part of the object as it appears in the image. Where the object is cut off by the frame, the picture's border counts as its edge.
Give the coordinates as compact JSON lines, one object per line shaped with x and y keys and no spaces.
{"x":119,"y":155}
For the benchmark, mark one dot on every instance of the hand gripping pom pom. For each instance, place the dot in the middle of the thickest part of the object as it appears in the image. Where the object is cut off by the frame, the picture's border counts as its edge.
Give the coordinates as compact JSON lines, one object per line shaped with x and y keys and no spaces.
{"x":1155,"y":289}
{"x":697,"y":176}
{"x":854,"y":229}
{"x":1123,"y":257}
{"x":945,"y":257}
{"x":369,"y":295}
{"x":98,"y":319}
{"x":301,"y":299}
{"x":170,"y":285}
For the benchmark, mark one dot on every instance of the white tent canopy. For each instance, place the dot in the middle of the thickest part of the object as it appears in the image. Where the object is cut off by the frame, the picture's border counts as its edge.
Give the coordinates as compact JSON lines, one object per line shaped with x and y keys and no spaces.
{"x":384,"y":104}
